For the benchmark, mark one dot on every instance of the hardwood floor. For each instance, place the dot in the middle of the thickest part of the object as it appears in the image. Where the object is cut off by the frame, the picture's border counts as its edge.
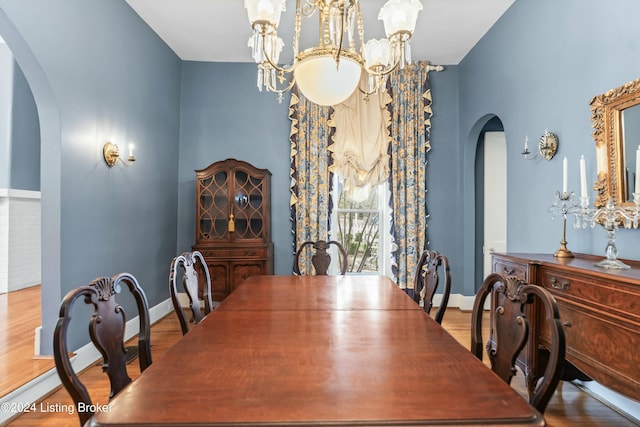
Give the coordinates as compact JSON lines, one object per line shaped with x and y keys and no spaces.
{"x":568,"y":407}
{"x":19,"y":316}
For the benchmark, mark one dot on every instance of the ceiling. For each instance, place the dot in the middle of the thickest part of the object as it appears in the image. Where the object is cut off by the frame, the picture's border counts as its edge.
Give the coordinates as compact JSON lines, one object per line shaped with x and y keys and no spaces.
{"x":218,"y":30}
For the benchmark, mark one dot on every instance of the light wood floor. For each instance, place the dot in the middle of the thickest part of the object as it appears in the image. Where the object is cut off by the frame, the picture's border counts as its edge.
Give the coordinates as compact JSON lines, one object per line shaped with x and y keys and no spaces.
{"x":19,"y":316}
{"x":569,"y":406}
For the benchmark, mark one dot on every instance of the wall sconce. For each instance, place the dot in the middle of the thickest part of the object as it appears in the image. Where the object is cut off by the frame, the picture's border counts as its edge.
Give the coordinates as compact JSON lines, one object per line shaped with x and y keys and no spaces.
{"x":111,"y":154}
{"x":547,"y":146}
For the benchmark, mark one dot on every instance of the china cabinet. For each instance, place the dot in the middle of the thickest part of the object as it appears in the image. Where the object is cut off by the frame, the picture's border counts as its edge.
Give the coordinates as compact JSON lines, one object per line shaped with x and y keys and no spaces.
{"x":233,"y":223}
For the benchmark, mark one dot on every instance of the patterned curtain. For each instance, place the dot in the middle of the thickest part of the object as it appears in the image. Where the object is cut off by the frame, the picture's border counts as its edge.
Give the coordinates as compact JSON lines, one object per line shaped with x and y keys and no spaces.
{"x":310,"y":202}
{"x":411,"y":130}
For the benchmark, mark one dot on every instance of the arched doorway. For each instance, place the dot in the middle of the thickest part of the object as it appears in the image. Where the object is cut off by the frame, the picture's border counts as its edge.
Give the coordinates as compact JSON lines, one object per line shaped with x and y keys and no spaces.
{"x":19,"y":178}
{"x":474,"y":200}
{"x":50,"y":147}
{"x":20,"y":235}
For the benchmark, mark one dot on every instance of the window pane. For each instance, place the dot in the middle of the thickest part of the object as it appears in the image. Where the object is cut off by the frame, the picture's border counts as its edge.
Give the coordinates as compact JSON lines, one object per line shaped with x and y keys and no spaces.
{"x":365,"y":198}
{"x":358,"y":229}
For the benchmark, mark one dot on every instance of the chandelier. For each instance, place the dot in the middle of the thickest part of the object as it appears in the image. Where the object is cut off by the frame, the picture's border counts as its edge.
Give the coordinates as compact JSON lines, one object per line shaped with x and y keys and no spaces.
{"x":330,"y":72}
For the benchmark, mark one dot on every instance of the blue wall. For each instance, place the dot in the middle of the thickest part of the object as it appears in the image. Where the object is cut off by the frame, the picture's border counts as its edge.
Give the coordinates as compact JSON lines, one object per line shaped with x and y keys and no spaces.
{"x":444,"y":205}
{"x":6,"y":95}
{"x":25,"y":136}
{"x":20,"y":127}
{"x":98,"y":72}
{"x":537,"y":69}
{"x":223,"y":115}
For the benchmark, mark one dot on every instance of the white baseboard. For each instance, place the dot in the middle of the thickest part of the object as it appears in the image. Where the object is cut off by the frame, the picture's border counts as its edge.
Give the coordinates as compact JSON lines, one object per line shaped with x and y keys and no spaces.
{"x":627,"y":407}
{"x":37,"y":339}
{"x":464,"y":303}
{"x":85,"y":356}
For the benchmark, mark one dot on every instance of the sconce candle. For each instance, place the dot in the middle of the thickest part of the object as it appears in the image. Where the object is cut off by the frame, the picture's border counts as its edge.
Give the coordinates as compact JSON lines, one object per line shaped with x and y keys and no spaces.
{"x":526,"y":143}
{"x":583,"y":177}
{"x":564,"y":175}
{"x":131,"y":157}
{"x":111,"y":154}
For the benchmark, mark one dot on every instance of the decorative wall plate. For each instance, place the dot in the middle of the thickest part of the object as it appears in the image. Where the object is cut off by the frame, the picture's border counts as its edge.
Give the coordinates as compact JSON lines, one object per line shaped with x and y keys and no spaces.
{"x":548,"y":145}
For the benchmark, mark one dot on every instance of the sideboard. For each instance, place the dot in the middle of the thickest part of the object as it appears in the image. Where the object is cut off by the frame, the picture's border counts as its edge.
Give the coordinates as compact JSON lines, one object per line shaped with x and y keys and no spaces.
{"x":600,"y":312}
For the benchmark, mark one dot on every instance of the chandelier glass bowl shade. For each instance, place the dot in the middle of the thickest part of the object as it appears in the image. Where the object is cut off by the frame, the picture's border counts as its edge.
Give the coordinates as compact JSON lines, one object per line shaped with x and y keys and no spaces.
{"x":330,"y":72}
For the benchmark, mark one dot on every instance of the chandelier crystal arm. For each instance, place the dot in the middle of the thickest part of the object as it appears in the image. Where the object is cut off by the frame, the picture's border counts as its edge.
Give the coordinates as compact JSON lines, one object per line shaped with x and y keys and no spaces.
{"x":281,"y":70}
{"x":380,"y":71}
{"x":272,"y":88}
{"x":336,"y":56}
{"x":380,"y":78}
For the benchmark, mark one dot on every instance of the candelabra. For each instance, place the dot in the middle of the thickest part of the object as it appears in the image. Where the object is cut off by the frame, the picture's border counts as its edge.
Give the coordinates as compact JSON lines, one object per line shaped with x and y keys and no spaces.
{"x":561,"y":207}
{"x":609,"y":216}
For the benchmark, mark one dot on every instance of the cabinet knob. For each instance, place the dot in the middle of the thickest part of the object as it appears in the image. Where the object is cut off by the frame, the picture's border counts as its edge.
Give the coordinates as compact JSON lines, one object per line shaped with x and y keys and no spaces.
{"x":566,"y":324}
{"x":559,"y":286}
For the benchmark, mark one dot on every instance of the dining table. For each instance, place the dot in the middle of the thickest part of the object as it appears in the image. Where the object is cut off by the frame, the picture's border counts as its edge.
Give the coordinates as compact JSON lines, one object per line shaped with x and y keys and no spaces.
{"x":352,"y":350}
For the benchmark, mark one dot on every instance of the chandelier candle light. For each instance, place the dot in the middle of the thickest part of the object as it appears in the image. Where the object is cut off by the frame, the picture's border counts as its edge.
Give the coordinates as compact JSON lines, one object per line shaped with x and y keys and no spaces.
{"x":330,"y":72}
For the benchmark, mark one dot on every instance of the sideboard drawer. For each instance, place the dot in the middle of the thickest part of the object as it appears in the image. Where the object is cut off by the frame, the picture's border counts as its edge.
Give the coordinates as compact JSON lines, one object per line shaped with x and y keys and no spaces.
{"x":509,"y":268}
{"x":255,"y":252}
{"x":596,"y":341}
{"x":608,"y":296}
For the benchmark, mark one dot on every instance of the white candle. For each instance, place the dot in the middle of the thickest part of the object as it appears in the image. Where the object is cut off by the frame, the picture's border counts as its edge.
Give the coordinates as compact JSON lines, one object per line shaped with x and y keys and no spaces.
{"x":526,"y":143}
{"x":130,"y":150}
{"x":636,"y":189}
{"x":564,"y":175}
{"x":583,"y":177}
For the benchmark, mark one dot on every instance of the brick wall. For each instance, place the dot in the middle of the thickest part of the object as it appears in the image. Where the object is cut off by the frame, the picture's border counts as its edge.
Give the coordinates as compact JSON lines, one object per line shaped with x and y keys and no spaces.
{"x":20,"y":257}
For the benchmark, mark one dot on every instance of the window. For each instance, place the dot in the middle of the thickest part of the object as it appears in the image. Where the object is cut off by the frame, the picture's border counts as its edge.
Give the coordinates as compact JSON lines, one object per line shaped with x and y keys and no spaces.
{"x":361,"y":223}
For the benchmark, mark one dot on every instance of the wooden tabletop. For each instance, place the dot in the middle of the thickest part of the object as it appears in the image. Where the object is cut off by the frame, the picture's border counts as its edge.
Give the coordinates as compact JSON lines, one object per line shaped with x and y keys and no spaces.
{"x":330,"y":351}
{"x":318,"y":293}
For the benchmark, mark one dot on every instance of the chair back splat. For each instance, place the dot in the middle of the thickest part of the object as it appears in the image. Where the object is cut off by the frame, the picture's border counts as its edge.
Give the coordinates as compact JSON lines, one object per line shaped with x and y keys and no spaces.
{"x":432,"y":267}
{"x":198,"y":291}
{"x":321,"y":260}
{"x":511,"y":298}
{"x":106,"y":329}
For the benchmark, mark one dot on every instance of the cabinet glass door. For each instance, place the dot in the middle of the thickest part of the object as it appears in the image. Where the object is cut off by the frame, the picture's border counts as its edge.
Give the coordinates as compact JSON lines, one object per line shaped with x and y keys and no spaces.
{"x":248,"y":206}
{"x":213,"y":206}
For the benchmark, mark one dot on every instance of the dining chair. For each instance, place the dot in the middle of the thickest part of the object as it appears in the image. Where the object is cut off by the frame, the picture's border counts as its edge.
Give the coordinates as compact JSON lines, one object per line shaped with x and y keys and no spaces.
{"x":106,"y":330}
{"x":509,"y":331}
{"x":200,"y":303}
{"x":432,"y":267}
{"x":320,"y":259}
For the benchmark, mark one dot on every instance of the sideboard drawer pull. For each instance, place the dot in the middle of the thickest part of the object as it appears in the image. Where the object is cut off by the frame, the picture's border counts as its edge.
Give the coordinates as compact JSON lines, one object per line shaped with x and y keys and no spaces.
{"x":508,"y":271}
{"x":559,"y":286}
{"x":566,"y":324}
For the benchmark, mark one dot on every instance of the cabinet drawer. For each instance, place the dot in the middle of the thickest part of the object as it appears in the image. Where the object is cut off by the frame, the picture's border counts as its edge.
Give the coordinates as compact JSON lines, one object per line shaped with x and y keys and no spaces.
{"x":236,"y":253}
{"x":607,"y":296}
{"x":603,"y":348}
{"x":509,"y":268}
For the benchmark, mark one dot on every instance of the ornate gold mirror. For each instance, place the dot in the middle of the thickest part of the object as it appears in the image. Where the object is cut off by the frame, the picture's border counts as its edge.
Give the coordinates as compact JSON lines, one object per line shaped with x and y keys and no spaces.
{"x":616,"y":123}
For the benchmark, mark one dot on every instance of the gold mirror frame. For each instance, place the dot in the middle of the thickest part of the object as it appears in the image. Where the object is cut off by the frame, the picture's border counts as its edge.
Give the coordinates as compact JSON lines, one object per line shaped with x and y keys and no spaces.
{"x":606,"y":115}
